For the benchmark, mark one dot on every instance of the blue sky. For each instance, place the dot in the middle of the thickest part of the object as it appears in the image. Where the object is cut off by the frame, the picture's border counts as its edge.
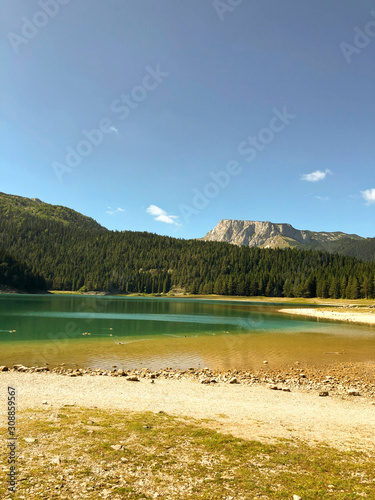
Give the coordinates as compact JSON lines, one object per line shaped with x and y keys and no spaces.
{"x":168,"y":116}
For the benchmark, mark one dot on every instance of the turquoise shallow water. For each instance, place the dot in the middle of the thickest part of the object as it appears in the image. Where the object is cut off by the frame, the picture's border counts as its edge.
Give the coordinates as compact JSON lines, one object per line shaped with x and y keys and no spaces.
{"x":100,"y":331}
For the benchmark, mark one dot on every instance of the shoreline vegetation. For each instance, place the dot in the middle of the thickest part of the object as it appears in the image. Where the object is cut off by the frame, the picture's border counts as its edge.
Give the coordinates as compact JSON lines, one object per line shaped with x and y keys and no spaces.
{"x":246,"y":298}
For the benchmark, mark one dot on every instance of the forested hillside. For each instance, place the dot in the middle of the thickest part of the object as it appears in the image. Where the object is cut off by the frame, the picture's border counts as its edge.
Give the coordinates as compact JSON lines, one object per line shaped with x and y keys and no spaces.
{"x":364,"y":249}
{"x":22,"y":210}
{"x":73,"y":257}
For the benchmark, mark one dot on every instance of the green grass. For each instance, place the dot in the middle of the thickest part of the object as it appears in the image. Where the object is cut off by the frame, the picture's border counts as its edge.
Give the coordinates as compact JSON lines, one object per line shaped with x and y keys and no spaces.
{"x":176,"y":458}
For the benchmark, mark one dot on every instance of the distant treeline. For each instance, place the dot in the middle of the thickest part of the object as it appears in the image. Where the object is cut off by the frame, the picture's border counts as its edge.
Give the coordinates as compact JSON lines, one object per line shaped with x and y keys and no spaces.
{"x":71,"y":257}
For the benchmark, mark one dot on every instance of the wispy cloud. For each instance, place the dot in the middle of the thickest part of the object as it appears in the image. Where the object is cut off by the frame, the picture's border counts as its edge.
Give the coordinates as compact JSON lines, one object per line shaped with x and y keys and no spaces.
{"x":114,"y":129}
{"x":316,"y":176}
{"x":114,"y":211}
{"x":161,"y":215}
{"x":322,"y":198}
{"x":369,"y":196}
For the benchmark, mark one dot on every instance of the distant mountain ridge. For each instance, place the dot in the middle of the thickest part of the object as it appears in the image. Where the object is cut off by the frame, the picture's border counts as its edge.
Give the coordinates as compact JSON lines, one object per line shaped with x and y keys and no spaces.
{"x":271,"y":235}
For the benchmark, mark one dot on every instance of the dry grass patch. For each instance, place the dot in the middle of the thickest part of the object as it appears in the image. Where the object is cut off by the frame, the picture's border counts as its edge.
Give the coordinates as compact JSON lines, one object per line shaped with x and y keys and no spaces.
{"x":91,"y":454}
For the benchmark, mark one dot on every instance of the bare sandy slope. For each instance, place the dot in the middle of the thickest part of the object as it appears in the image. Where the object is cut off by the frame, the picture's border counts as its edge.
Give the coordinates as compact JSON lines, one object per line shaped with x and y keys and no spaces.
{"x":347,"y":315}
{"x":248,"y":412}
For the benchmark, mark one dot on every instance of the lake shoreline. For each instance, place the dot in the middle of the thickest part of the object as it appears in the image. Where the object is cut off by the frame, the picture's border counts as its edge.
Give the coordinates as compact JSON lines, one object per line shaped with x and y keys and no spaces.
{"x":229,"y":298}
{"x":316,"y":301}
{"x":343,"y":379}
{"x":366,"y":316}
{"x":249,"y":406}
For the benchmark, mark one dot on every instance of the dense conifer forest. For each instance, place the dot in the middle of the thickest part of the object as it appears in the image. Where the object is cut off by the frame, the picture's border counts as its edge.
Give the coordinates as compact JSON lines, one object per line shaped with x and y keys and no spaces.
{"x":15,"y":276}
{"x":41,"y":248}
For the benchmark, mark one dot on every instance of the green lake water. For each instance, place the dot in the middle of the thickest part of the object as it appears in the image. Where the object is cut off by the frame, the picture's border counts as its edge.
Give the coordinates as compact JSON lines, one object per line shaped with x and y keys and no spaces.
{"x":136,"y":332}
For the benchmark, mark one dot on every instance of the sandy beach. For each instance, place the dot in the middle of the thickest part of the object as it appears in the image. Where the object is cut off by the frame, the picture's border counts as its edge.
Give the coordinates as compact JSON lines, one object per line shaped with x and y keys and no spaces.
{"x":356,"y":316}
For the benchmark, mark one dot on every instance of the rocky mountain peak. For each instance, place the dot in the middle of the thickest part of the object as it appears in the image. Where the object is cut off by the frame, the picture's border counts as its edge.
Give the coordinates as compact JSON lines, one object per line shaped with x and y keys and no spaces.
{"x":270,"y":235}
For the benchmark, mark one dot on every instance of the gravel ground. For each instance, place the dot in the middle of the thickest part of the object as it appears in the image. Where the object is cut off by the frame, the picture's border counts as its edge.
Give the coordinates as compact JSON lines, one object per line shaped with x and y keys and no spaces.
{"x":250,"y":412}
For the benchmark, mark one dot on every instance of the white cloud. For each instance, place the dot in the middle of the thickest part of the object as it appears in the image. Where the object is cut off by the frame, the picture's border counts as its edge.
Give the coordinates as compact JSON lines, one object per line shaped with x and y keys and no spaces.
{"x":316,"y":176}
{"x":369,"y":196}
{"x":161,"y":215}
{"x":113,"y":129}
{"x":112,"y":211}
{"x":322,"y":198}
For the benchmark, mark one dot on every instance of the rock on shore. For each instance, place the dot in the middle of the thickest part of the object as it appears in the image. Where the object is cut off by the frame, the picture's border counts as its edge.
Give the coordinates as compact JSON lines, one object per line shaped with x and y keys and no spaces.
{"x":345,"y":379}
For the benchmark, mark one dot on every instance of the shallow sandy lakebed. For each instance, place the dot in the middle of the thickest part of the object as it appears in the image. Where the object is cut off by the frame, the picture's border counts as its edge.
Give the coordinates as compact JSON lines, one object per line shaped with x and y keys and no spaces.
{"x":250,"y":412}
